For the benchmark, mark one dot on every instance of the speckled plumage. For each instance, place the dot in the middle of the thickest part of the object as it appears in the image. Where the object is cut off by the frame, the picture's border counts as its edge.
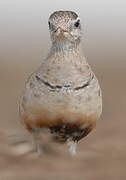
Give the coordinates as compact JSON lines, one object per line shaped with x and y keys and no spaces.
{"x":63,"y":95}
{"x":63,"y":15}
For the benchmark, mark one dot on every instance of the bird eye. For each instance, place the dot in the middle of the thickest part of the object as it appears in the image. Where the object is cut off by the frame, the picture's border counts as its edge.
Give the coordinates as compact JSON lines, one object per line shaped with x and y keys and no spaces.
{"x":49,"y":24}
{"x":77,"y":23}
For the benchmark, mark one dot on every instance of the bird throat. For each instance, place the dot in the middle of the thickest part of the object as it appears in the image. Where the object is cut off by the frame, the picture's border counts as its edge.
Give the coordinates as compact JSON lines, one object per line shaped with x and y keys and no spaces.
{"x":65,"y":46}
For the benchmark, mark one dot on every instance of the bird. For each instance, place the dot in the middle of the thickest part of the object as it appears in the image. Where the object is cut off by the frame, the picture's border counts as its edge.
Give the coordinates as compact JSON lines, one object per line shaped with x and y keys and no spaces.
{"x":63,"y":96}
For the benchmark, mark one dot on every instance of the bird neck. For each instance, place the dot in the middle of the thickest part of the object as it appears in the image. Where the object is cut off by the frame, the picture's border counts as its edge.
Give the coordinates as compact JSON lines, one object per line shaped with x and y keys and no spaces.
{"x":65,"y":47}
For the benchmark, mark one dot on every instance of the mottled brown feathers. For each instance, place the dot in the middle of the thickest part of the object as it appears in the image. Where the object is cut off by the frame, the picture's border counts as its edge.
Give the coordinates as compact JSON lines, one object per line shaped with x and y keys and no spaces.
{"x":64,"y":15}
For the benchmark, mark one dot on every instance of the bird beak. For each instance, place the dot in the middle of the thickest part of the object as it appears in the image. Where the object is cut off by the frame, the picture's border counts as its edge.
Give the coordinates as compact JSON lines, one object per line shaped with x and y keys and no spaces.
{"x":60,"y":32}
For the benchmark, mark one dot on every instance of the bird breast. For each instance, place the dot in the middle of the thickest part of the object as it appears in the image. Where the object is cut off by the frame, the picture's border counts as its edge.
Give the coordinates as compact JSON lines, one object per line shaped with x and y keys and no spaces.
{"x":61,"y":93}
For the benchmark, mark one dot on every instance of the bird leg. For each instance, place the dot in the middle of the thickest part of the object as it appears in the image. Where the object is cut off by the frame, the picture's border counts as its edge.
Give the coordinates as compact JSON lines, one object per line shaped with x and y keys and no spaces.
{"x":36,"y":142}
{"x":41,"y":141}
{"x":72,"y":146}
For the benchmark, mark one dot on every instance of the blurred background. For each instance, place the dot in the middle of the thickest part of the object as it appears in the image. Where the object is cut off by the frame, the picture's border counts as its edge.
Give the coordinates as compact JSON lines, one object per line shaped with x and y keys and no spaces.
{"x":24,"y":42}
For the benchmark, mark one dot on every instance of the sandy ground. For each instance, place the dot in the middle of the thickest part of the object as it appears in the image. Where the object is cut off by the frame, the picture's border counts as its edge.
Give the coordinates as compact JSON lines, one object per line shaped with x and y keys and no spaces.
{"x":100,"y":156}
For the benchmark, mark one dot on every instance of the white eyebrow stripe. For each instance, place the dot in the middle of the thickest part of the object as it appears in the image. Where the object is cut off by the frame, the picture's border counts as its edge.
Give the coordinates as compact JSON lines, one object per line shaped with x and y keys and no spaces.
{"x":75,"y":20}
{"x":78,"y":19}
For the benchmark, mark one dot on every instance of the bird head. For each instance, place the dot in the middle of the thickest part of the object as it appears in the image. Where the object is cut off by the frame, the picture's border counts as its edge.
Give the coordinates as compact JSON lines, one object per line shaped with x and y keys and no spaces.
{"x":65,"y":26}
